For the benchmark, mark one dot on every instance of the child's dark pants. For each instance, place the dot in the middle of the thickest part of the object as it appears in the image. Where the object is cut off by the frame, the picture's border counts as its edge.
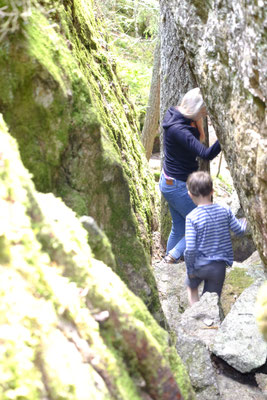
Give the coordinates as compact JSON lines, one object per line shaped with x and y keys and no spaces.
{"x":212,"y":274}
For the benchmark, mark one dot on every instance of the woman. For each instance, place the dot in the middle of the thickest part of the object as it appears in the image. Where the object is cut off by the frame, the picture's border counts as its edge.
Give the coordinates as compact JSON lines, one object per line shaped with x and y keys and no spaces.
{"x":181,"y":144}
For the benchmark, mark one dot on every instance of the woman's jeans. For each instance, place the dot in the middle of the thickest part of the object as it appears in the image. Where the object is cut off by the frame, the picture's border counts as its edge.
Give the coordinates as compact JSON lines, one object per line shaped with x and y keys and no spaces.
{"x":180,"y":204}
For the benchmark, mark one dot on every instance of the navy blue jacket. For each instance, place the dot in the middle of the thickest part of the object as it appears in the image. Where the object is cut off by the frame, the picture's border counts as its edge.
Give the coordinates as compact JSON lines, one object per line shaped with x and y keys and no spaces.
{"x":181,"y":146}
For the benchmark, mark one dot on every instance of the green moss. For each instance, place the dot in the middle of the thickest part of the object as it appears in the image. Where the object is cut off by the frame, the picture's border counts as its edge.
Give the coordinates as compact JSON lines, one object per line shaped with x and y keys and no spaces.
{"x":181,"y":375}
{"x":99,"y":242}
{"x":202,"y":9}
{"x":156,"y":176}
{"x":54,"y":341}
{"x":76,"y":129}
{"x":236,"y":281}
{"x":166,"y":221}
{"x":73,"y":199}
{"x":261,"y":310}
{"x":35,"y":111}
{"x":146,"y":330}
{"x":4,"y":251}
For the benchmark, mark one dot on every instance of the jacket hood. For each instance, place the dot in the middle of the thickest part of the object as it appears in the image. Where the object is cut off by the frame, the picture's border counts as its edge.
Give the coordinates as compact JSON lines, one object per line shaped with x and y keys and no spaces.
{"x":172,"y":117}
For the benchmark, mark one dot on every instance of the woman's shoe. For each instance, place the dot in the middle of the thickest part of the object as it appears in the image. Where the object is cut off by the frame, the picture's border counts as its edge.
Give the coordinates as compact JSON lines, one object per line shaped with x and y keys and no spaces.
{"x":170,"y":259}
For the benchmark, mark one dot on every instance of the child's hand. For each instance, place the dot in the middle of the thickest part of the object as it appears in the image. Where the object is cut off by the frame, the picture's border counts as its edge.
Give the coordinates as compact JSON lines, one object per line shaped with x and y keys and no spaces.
{"x":243,"y":222}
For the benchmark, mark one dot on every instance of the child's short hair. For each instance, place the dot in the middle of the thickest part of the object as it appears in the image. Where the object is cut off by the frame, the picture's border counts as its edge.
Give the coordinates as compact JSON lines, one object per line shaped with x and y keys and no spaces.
{"x":199,"y":183}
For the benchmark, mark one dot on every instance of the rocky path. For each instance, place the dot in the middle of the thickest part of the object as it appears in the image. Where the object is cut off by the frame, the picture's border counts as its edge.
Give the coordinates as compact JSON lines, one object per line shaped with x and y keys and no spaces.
{"x":211,"y":377}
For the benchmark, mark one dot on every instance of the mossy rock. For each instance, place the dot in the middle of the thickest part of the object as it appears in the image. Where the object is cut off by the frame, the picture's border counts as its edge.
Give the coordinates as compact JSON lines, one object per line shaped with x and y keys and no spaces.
{"x":166,"y":222}
{"x":69,"y":327}
{"x":63,"y":102}
{"x":261,"y":310}
{"x":237,"y":280}
{"x":99,"y":243}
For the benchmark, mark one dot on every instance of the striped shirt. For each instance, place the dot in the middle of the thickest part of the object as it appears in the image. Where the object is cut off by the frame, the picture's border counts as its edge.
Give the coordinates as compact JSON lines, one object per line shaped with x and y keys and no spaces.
{"x":207,"y":235}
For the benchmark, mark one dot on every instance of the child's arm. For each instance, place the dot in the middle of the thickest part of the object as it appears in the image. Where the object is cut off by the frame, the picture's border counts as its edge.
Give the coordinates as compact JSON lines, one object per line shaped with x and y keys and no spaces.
{"x":190,"y":251}
{"x":238,"y":226}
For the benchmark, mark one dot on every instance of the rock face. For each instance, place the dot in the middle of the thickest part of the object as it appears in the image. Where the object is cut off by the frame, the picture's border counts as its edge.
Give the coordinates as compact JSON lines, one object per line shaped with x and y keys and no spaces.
{"x":239,"y":341}
{"x":98,"y":242}
{"x":197,"y":329}
{"x":226,"y":47}
{"x":243,"y":246}
{"x":176,"y":79}
{"x":63,"y":102}
{"x":69,"y":327}
{"x":195,"y":334}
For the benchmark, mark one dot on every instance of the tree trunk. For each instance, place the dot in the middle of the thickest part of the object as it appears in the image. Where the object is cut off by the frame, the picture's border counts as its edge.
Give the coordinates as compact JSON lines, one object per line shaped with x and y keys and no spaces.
{"x":151,"y":125}
{"x":176,"y":80}
{"x":136,"y":6}
{"x":204,"y":165}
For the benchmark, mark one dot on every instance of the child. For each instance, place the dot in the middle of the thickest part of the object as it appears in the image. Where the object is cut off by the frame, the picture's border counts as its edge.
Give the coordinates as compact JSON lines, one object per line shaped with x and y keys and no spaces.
{"x":208,"y":241}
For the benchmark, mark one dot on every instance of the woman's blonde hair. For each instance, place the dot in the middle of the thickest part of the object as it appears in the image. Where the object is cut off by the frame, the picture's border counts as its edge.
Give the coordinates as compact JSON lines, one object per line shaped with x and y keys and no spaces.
{"x":192,"y":104}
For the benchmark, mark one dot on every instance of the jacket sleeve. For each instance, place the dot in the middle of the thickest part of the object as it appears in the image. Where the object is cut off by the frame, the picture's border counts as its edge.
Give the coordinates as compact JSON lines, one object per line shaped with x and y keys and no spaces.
{"x":186,"y":138}
{"x":190,"y":250}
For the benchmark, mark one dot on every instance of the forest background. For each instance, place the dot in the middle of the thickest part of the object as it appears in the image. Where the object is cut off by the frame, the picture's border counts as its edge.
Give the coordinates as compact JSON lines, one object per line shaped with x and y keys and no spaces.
{"x":133,"y":30}
{"x":132,"y":26}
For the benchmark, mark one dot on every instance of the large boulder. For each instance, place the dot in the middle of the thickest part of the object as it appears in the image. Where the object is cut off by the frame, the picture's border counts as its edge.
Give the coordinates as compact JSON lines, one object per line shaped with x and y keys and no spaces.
{"x":243,"y":246}
{"x":226,"y":47}
{"x":239,"y":341}
{"x":172,"y":291}
{"x":63,"y":102}
{"x":98,"y":241}
{"x":196,"y":329}
{"x":239,"y":277}
{"x":233,"y":389}
{"x":195,"y":335}
{"x":69,"y":327}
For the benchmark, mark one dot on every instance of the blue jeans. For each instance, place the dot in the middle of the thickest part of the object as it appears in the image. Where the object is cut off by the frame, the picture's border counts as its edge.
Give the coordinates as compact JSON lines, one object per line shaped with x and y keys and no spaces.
{"x":180,"y":204}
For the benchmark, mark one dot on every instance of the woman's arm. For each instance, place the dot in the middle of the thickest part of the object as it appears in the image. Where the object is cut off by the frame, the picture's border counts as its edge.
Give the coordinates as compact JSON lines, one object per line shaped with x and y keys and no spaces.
{"x":184,"y":137}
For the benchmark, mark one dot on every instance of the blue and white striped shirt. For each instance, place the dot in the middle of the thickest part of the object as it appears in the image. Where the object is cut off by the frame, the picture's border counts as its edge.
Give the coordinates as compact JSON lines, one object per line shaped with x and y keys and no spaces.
{"x":207,"y":235}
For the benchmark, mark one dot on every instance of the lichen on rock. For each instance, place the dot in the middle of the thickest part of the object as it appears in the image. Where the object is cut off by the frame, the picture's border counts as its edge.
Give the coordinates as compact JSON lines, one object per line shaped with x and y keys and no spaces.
{"x":63,"y":102}
{"x":69,"y":327}
{"x":261,"y":310}
{"x":225,"y":44}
